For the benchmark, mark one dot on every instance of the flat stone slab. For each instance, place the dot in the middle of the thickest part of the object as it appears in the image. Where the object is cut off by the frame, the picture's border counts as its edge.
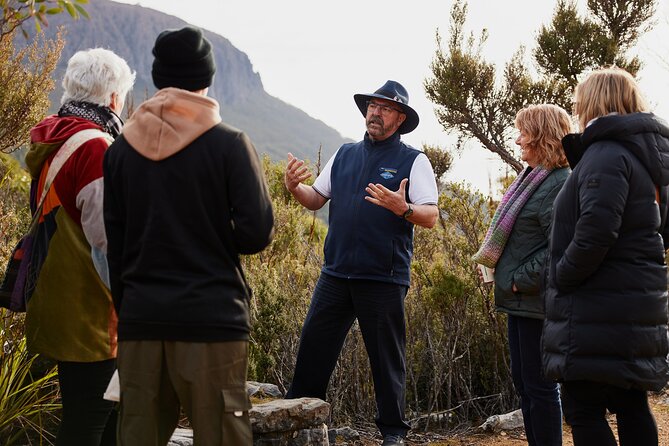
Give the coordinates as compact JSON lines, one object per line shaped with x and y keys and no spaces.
{"x":304,"y":437}
{"x":296,"y":422}
{"x":289,"y":415}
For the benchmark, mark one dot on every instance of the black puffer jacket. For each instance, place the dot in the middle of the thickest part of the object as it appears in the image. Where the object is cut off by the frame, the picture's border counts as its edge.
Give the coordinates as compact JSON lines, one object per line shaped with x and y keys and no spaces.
{"x":606,"y":296}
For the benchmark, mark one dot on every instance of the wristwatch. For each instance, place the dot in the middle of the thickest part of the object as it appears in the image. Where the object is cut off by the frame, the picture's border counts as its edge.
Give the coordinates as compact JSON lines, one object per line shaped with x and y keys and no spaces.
{"x":408,"y":212}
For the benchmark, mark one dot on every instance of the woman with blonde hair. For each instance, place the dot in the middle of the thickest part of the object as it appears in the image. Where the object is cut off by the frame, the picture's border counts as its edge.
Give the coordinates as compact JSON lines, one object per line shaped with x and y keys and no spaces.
{"x":605,"y":335}
{"x":515,"y":245}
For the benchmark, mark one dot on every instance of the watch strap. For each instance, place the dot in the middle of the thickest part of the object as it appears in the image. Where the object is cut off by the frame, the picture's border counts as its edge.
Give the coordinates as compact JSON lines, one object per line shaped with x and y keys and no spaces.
{"x":408,"y":212}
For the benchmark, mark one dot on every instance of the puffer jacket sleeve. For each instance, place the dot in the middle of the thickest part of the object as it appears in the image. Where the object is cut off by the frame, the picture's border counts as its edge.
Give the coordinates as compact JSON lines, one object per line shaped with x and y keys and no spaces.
{"x":527,"y":276}
{"x":603,"y":186}
{"x":664,"y":204}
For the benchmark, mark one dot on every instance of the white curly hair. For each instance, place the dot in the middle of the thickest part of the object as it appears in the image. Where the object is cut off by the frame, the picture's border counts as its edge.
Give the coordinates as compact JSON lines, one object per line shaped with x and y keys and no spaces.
{"x":93,"y":75}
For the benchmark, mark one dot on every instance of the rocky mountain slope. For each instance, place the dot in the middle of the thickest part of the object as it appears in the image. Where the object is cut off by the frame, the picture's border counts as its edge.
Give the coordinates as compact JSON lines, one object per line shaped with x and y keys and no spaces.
{"x":274,"y":126}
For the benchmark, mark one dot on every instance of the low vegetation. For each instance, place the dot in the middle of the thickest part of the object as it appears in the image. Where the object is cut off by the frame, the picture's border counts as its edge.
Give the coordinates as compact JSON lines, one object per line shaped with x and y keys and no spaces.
{"x":456,"y":355}
{"x":28,"y":385}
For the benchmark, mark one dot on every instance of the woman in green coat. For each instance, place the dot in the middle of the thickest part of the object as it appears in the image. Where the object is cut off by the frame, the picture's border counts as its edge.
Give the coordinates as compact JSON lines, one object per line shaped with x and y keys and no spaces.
{"x":515,"y":246}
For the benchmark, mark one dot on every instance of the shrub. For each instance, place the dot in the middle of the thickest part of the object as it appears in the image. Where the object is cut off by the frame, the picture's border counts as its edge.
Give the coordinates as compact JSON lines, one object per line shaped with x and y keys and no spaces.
{"x":27,"y":400}
{"x":457,"y":359}
{"x":28,"y":392}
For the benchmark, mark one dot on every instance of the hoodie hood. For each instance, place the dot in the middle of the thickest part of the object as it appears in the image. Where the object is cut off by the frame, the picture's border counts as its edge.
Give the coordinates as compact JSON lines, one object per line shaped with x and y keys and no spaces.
{"x":47,"y":137}
{"x":170,"y":121}
{"x":643,"y":134}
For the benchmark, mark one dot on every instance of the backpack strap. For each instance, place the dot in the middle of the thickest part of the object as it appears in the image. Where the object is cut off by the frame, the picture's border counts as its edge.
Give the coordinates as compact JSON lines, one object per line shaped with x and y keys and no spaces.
{"x":65,"y":152}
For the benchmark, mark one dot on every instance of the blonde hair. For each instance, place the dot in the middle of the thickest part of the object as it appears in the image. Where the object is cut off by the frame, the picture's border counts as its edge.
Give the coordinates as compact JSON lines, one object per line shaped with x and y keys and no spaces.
{"x":605,"y":91}
{"x":545,"y":125}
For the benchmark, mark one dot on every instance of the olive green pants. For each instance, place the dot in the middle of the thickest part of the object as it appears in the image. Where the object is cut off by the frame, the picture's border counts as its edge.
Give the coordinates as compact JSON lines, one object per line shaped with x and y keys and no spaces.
{"x":207,"y":379}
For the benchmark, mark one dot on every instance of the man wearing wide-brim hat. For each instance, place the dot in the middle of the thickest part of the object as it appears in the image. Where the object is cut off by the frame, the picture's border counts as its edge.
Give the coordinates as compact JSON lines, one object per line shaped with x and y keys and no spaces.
{"x":378,"y":188}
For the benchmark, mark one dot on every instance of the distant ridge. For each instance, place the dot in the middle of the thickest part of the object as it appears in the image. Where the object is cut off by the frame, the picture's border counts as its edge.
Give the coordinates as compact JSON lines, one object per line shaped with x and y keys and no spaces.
{"x":274,"y":126}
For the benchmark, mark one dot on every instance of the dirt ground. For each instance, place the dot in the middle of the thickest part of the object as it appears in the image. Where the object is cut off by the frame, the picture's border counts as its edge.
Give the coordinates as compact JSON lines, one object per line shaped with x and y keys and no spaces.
{"x":659,"y":404}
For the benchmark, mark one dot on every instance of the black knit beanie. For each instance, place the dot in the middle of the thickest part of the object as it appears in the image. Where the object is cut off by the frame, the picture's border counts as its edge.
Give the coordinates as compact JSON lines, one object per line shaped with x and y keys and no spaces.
{"x":183,"y":59}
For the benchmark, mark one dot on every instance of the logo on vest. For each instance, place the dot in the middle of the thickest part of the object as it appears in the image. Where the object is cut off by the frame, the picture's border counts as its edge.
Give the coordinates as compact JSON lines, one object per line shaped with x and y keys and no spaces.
{"x":387,"y":173}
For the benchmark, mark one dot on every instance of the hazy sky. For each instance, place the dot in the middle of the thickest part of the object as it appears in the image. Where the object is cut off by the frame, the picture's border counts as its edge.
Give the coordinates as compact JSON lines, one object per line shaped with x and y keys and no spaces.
{"x":315,"y":55}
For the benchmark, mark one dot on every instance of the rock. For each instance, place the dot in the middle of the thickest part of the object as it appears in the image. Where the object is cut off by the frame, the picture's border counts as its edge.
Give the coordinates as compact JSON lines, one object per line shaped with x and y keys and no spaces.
{"x":317,"y":436}
{"x":181,"y":437}
{"x":298,"y":422}
{"x":263,"y":390}
{"x":343,"y":435}
{"x":289,"y":415}
{"x":507,"y":421}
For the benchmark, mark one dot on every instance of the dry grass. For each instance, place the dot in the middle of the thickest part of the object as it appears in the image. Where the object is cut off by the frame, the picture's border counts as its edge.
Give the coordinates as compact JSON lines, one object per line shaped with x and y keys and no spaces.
{"x":659,"y":404}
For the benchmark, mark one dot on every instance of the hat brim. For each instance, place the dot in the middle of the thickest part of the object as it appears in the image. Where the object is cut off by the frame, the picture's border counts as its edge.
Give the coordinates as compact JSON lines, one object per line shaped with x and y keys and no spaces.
{"x":409,"y":124}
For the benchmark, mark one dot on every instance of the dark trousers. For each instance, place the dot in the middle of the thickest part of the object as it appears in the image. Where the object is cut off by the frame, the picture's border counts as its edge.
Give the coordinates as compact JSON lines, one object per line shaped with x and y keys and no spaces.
{"x":88,"y":419}
{"x":539,"y":398}
{"x":379,"y":308}
{"x":585,"y":404}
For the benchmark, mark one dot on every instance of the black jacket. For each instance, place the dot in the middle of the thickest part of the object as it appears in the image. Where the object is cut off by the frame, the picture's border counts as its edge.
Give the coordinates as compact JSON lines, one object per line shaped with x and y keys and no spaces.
{"x":179,"y":209}
{"x":606,"y":296}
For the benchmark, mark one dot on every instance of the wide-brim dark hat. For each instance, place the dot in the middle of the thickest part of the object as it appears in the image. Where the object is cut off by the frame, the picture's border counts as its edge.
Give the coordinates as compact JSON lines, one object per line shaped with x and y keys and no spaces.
{"x":395,"y":92}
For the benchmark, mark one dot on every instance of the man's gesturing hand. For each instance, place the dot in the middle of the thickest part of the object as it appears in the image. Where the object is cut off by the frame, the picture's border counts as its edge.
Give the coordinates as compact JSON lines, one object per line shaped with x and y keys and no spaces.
{"x":296,"y":173}
{"x":394,"y":201}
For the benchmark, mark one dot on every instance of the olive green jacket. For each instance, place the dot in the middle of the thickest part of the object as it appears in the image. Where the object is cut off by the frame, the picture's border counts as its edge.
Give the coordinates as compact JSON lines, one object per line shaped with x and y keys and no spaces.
{"x":523,"y":257}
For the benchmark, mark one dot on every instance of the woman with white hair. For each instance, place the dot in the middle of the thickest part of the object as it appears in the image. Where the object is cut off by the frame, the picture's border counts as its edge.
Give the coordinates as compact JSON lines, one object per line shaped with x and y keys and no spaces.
{"x":70,"y":317}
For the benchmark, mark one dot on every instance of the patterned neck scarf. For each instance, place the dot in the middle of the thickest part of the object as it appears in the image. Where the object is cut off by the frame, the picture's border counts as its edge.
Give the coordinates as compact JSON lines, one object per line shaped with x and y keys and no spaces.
{"x":505,"y":216}
{"x":101,"y":115}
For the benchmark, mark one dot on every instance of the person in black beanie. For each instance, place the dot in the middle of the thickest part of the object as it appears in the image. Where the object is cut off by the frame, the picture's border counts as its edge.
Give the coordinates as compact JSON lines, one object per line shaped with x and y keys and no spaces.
{"x":183,"y":59}
{"x":184,"y":197}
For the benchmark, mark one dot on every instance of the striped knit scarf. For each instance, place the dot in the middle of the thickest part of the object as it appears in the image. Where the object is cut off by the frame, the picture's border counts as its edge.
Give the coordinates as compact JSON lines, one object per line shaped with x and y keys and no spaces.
{"x":505,"y":216}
